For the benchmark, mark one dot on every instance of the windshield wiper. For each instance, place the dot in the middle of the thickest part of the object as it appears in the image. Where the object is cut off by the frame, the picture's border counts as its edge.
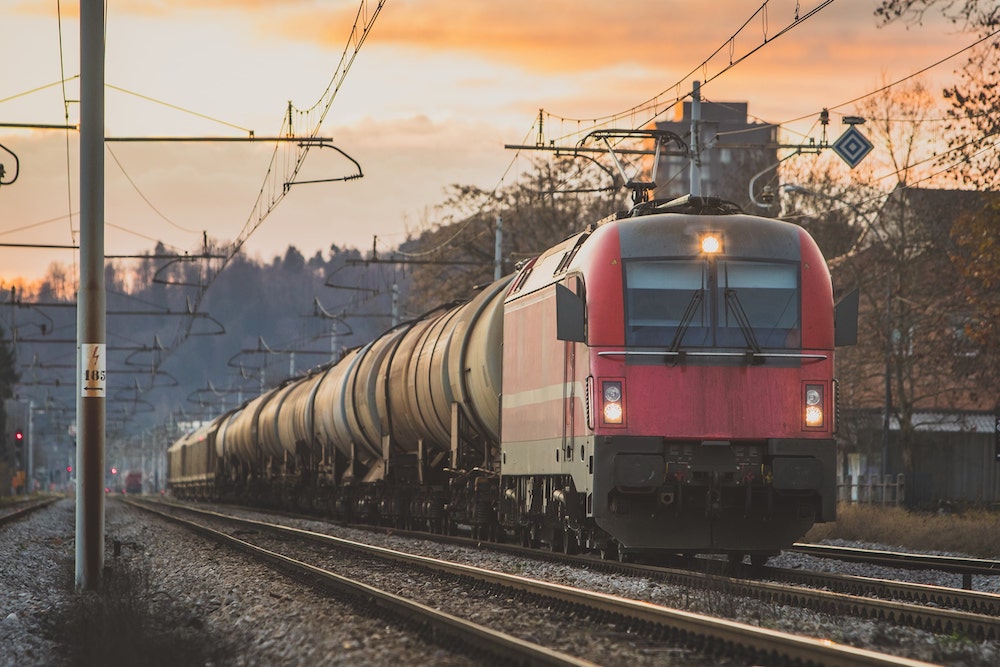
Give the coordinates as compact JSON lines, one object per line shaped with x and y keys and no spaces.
{"x":736,"y":308}
{"x":693,"y":305}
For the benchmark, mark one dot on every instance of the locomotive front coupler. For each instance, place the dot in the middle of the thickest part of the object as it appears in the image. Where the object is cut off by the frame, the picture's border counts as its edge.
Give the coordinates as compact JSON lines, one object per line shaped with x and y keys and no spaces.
{"x":713,"y":496}
{"x":748,"y":475}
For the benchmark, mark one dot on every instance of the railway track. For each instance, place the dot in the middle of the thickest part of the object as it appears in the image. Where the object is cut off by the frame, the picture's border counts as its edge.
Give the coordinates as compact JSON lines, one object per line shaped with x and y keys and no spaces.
{"x":907,"y":561}
{"x":925,"y":594}
{"x":935,"y":609}
{"x":477,"y":639}
{"x":651,"y":621}
{"x":21,"y":510}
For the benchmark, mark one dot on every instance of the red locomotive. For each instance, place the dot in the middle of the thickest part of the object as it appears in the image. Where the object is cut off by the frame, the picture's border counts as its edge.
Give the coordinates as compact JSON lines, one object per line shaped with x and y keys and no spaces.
{"x":689,"y":405}
{"x":660,"y":382}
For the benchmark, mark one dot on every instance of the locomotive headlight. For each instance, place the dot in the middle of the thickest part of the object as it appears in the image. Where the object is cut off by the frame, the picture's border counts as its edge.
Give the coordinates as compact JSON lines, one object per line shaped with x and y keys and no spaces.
{"x":612,"y":404}
{"x":711,"y":243}
{"x":814,"y":406}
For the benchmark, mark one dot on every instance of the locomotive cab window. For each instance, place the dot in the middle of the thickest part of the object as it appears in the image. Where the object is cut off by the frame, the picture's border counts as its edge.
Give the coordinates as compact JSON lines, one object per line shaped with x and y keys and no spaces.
{"x":693,"y":303}
{"x":659,"y":296}
{"x":767,"y":294}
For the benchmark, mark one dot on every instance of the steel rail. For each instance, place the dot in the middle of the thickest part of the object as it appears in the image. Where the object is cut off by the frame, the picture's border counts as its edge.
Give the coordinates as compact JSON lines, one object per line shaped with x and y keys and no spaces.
{"x":760,"y":643}
{"x":956,"y":598}
{"x":968,"y":614}
{"x":481,"y":638}
{"x":953,"y":564}
{"x":901,"y":601}
{"x":21,"y":512}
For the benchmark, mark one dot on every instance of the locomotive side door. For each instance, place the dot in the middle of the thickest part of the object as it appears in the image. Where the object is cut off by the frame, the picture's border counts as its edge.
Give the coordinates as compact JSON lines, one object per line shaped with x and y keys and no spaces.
{"x":569,"y":389}
{"x":571,"y":331}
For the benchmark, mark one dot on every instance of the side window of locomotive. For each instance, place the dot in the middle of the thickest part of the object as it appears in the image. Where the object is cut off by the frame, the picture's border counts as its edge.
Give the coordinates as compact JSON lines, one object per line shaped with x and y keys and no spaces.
{"x":571,"y":310}
{"x":662,"y":295}
{"x":768,"y":294}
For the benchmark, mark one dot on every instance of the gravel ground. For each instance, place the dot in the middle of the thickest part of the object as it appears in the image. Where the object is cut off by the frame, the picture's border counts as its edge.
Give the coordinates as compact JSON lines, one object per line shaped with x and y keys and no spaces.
{"x":186,"y":602}
{"x":216,"y":609}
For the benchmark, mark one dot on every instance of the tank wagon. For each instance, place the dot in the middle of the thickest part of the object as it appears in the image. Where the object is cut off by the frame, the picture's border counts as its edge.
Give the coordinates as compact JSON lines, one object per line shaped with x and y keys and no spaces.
{"x":192,"y":463}
{"x":660,"y":382}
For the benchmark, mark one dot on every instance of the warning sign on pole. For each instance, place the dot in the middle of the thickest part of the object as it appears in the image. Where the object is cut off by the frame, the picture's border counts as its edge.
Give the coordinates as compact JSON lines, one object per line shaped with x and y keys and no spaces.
{"x":852,"y":146}
{"x":94,"y":382}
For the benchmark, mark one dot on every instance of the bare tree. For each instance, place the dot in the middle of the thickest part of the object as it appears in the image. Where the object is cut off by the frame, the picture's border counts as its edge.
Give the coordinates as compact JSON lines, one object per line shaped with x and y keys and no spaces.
{"x":974,"y":128}
{"x":556,"y":200}
{"x":975,"y":237}
{"x":912,"y":356}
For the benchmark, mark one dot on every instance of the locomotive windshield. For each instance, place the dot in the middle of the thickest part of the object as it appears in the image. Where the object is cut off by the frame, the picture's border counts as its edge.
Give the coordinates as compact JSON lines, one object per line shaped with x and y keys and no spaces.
{"x":689,"y":303}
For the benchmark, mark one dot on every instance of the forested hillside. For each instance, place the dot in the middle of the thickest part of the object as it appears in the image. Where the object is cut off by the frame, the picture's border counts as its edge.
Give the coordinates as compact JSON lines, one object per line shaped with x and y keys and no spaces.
{"x":192,"y":335}
{"x":186,"y":341}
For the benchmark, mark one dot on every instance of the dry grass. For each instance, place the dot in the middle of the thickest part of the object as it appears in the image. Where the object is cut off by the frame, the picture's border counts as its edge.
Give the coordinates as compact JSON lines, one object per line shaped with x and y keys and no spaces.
{"x":121,"y":625}
{"x":974,"y":532}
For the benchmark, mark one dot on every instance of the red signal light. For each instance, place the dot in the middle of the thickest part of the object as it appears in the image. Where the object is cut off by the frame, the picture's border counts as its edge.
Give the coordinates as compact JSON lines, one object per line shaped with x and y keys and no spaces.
{"x":114,"y":471}
{"x":69,"y":468}
{"x":19,"y":435}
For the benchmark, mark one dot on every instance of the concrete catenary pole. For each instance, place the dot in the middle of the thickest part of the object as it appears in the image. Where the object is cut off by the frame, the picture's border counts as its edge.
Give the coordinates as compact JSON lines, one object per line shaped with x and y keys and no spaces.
{"x":395,"y":304}
{"x":91,"y":326}
{"x":30,"y":446}
{"x":695,"y":139}
{"x":498,"y":251}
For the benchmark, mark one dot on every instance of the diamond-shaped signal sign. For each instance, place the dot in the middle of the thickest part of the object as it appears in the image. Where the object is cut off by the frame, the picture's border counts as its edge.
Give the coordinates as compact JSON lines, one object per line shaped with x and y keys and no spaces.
{"x":852,"y":146}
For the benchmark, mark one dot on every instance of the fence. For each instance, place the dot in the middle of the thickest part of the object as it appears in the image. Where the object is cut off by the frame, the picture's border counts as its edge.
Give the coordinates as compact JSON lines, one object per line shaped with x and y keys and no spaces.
{"x":889,"y":490}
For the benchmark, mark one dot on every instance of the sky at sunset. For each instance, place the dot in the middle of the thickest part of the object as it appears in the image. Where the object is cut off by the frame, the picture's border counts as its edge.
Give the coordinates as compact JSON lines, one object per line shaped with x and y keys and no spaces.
{"x":436,"y":91}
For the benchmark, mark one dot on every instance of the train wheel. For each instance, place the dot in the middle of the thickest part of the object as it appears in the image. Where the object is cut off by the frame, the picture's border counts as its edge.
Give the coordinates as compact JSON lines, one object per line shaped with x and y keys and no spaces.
{"x":609,"y":551}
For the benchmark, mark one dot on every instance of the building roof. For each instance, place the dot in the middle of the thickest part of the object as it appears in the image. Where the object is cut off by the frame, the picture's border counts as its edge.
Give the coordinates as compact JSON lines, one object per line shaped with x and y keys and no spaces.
{"x":952,"y":421}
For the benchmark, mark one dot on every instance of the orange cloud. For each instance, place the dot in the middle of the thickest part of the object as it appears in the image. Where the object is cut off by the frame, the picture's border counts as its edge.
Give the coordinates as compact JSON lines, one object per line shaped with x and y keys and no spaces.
{"x":583,"y":36}
{"x":547,"y":37}
{"x":558,"y":36}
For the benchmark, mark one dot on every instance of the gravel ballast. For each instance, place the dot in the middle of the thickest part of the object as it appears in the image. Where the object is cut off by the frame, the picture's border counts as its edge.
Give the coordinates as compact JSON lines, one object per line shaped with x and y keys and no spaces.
{"x":178,"y":599}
